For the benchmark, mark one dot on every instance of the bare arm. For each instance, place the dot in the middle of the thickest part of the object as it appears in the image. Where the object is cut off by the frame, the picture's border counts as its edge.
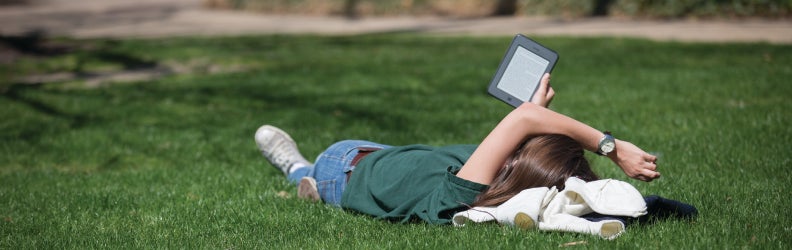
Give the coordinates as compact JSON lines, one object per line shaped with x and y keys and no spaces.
{"x":532,"y":119}
{"x":526,"y":121}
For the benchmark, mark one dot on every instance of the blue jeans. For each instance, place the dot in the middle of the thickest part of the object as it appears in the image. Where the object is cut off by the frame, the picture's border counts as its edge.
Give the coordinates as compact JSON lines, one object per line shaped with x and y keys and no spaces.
{"x":331,"y":167}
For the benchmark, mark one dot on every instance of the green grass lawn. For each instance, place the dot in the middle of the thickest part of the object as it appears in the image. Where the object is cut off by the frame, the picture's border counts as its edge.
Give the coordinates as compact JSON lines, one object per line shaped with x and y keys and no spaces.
{"x":171,"y":162}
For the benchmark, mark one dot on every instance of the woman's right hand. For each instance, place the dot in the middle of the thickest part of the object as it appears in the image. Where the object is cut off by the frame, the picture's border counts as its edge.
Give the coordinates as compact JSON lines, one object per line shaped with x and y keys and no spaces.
{"x":544,"y":94}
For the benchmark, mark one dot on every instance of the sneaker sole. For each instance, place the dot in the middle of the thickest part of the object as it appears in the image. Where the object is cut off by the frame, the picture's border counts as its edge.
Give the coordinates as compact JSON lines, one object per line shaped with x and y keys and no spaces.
{"x":307,"y":189}
{"x":522,"y":220}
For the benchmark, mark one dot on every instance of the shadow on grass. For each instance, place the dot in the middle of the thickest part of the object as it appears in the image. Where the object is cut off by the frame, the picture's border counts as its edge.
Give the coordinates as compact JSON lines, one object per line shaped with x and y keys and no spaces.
{"x":15,"y":93}
{"x":32,"y":43}
{"x":35,"y":45}
{"x":86,"y":54}
{"x":356,"y":105}
{"x":283,"y":87}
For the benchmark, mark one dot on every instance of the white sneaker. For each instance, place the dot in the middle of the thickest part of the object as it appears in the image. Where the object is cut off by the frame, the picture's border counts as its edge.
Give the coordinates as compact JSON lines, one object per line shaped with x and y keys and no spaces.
{"x":279,"y":148}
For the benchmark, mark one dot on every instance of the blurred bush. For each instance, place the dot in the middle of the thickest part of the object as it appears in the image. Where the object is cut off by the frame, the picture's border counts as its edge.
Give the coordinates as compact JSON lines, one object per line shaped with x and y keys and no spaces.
{"x":704,"y":8}
{"x":360,"y":7}
{"x":14,"y":2}
{"x":660,"y":8}
{"x":558,"y":8}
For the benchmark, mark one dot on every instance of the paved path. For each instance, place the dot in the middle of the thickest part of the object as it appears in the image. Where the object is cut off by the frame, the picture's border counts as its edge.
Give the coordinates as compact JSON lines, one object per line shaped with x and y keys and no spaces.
{"x":155,"y":18}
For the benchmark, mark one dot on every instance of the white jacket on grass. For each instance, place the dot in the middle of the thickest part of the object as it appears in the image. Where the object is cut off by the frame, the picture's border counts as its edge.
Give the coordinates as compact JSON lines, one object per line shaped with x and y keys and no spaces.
{"x":551,"y":210}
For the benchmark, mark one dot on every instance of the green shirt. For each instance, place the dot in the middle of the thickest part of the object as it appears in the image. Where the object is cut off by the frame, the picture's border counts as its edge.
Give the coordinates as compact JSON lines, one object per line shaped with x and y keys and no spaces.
{"x":413,"y":182}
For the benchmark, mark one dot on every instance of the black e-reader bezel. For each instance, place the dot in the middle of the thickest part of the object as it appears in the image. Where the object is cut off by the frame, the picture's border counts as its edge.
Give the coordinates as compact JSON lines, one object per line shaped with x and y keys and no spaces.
{"x":532,"y":47}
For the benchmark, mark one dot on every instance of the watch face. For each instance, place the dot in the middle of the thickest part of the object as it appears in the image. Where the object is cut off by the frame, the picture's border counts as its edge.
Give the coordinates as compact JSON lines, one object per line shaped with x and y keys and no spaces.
{"x":607,"y":147}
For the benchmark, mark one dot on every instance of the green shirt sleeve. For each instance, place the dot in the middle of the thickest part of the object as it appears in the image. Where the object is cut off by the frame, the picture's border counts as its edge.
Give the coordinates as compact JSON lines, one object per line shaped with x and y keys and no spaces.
{"x":411,"y":183}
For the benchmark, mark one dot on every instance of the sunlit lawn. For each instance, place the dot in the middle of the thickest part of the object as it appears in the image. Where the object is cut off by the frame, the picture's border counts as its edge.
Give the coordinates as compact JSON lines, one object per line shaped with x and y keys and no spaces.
{"x":171,"y":162}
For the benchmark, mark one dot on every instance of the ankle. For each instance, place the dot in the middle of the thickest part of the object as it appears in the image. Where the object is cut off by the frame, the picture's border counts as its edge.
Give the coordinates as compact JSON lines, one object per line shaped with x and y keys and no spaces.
{"x":296,"y":166}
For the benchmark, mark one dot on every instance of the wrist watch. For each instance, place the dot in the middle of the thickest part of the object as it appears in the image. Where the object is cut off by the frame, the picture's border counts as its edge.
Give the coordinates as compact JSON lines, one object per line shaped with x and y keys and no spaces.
{"x":606,"y":145}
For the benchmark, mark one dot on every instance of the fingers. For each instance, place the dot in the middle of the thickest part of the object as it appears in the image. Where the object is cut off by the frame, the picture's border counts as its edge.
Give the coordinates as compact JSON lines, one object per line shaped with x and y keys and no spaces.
{"x":544,"y":84}
{"x":635,"y":162}
{"x":650,"y":165}
{"x":544,"y":93}
{"x":645,"y":175}
{"x":550,"y":95}
{"x":649,"y":175}
{"x":651,"y":158}
{"x":645,"y":170}
{"x":546,"y":78}
{"x":549,"y":92}
{"x":648,"y":172}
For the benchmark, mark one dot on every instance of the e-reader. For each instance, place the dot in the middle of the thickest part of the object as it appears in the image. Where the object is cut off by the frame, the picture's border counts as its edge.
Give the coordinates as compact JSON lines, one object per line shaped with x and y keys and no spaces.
{"x":521,"y":70}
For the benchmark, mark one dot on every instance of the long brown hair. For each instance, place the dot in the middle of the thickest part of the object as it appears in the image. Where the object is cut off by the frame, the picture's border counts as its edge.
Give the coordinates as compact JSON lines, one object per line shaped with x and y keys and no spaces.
{"x":541,"y":161}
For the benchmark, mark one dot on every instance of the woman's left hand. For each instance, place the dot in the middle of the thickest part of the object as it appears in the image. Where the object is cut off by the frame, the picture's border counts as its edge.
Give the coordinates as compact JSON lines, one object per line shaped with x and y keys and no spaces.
{"x":544,"y":94}
{"x":636,"y":163}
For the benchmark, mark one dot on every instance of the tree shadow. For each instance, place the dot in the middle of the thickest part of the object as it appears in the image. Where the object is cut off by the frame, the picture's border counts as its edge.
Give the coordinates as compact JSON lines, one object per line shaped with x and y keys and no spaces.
{"x":15,"y":93}
{"x":37,"y":45}
{"x":33,"y":43}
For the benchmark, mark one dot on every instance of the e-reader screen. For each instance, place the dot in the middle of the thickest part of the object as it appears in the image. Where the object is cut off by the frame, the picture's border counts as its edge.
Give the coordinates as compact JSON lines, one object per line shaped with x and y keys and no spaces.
{"x":521,"y":70}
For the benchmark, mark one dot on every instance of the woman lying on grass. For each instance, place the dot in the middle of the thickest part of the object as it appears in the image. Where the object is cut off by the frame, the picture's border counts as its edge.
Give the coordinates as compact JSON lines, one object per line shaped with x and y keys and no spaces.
{"x":531,"y":147}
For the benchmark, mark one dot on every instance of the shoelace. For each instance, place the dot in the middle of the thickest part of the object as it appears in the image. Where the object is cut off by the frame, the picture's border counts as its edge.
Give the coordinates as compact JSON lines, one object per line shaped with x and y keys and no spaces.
{"x":282,"y":153}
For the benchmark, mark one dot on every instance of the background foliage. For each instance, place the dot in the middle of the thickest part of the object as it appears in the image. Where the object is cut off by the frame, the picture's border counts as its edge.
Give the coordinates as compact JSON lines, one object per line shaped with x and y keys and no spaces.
{"x":562,"y":8}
